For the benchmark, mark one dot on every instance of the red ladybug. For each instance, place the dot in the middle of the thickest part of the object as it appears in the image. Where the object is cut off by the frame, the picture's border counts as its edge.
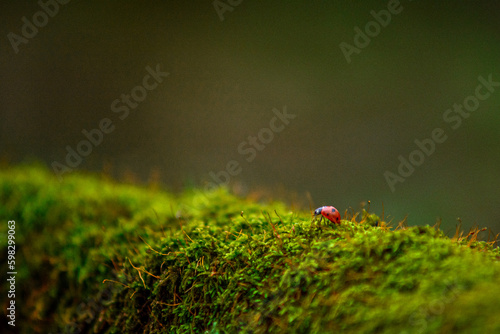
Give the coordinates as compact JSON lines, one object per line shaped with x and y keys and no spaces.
{"x":329,"y":212}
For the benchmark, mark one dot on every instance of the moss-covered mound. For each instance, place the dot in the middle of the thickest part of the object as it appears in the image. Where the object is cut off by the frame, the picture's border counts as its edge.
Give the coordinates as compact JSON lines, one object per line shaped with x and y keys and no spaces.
{"x":93,"y":256}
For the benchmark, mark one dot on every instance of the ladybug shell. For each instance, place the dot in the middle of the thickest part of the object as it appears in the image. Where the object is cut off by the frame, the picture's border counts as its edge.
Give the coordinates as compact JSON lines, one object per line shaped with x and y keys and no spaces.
{"x":330,"y":213}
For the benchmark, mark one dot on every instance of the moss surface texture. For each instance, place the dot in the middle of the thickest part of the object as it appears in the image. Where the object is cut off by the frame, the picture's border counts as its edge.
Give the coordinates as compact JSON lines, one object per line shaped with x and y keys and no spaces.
{"x":96,"y":256}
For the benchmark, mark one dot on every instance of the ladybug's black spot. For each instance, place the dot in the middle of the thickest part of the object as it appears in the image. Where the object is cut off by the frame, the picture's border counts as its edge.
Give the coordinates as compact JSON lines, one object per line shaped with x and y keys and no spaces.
{"x":333,"y":210}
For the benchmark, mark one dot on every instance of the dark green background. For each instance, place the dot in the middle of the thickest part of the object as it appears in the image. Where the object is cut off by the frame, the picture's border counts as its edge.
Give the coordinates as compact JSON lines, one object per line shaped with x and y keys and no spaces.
{"x":353,"y":120}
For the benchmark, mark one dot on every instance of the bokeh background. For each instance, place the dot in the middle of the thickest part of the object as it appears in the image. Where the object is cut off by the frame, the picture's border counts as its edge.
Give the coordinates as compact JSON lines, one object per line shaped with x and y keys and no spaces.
{"x":352,"y":120}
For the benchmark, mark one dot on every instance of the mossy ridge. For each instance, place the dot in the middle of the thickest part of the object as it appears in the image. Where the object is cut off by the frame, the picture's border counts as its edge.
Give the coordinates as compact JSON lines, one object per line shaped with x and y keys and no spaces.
{"x":194,"y":264}
{"x":67,"y":236}
{"x":293,"y":282}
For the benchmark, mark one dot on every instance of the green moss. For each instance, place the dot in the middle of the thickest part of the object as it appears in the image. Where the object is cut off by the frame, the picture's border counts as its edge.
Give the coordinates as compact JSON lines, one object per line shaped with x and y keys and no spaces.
{"x":94,"y":256}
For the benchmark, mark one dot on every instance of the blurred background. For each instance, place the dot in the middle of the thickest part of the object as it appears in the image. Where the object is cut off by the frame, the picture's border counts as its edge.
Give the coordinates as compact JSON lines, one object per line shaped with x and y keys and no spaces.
{"x":230,"y":63}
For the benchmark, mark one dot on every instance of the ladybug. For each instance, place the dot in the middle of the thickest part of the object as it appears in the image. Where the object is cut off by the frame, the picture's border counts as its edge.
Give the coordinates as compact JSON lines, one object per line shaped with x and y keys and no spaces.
{"x":329,"y":212}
